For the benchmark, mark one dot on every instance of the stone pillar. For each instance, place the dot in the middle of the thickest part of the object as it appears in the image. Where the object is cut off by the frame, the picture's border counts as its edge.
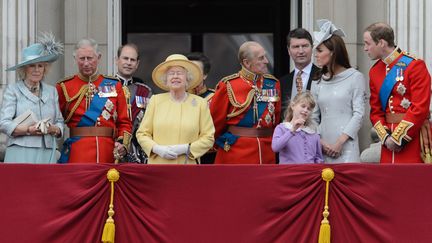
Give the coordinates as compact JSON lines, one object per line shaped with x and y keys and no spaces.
{"x":411,"y":21}
{"x":18,"y":29}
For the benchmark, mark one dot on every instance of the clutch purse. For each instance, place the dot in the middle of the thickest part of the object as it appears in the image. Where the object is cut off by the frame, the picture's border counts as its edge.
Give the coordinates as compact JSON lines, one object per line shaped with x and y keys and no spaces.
{"x":27,"y":118}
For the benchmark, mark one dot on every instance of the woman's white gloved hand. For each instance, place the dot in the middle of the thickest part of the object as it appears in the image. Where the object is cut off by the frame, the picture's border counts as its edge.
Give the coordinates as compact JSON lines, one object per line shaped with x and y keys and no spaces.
{"x":164,"y":151}
{"x":179,"y":148}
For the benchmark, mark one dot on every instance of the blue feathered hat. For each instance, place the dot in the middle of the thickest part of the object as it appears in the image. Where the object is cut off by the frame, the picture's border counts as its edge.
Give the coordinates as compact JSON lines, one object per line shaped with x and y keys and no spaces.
{"x":45,"y":50}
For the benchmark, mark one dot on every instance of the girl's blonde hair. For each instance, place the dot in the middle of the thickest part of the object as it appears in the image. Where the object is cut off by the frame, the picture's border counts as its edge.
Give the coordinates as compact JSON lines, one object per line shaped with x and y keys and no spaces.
{"x":304,"y":96}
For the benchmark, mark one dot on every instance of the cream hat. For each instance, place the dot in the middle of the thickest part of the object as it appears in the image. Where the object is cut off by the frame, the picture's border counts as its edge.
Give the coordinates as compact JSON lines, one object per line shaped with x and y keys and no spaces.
{"x":176,"y":60}
{"x":327,"y":30}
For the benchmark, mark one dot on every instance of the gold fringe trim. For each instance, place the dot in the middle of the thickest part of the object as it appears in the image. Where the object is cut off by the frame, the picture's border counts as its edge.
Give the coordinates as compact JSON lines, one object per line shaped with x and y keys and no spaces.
{"x":425,"y":142}
{"x":324,"y":233}
{"x":108,"y":235}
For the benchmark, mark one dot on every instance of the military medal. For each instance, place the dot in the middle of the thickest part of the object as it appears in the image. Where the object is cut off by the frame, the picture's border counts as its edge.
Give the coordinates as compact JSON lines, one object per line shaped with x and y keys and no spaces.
{"x":109,"y":105}
{"x":194,"y":102}
{"x":141,"y":101}
{"x":106,"y":115}
{"x":271,"y":109}
{"x":107,"y":91}
{"x":268,"y":119}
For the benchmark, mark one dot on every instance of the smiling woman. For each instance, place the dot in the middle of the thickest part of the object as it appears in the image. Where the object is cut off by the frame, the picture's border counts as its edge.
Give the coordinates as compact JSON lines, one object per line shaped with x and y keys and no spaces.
{"x":177,"y":126}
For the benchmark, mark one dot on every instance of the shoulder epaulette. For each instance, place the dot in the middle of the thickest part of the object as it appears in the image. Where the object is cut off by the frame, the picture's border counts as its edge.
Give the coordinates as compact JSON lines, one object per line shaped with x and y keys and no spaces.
{"x":410,"y":55}
{"x":144,"y":85}
{"x":65,"y":79}
{"x":230,"y":77}
{"x":270,"y":76}
{"x":111,"y":77}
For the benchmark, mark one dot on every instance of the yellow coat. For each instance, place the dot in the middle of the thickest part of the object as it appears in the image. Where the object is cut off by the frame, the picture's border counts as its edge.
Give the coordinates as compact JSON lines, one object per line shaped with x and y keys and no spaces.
{"x":167,"y":122}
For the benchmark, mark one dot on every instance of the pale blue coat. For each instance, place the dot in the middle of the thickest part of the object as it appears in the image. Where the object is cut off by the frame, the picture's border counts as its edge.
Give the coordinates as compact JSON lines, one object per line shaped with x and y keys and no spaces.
{"x":16,"y":100}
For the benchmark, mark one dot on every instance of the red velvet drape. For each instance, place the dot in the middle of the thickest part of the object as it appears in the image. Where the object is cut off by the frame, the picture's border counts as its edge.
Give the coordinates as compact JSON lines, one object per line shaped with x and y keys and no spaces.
{"x":215,"y":203}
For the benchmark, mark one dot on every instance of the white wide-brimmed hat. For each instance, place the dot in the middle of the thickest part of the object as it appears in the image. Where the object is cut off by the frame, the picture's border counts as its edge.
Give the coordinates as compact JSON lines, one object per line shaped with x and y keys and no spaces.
{"x":327,"y":30}
{"x":176,"y":60}
{"x":45,"y":50}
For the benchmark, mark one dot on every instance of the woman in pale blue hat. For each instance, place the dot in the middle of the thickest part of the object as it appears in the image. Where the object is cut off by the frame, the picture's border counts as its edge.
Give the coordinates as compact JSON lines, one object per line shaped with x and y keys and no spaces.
{"x":339,"y":94}
{"x":30,"y":114}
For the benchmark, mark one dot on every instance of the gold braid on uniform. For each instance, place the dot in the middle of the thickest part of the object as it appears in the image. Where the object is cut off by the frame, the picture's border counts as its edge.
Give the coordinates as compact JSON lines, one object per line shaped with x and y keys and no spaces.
{"x":80,"y":95}
{"x":236,"y":104}
{"x":127,"y":94}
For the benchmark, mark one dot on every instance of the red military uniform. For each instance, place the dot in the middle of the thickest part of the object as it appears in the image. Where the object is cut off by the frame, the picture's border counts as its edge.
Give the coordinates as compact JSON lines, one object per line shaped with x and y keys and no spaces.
{"x":244,"y":115}
{"x":407,"y":105}
{"x":111,"y":120}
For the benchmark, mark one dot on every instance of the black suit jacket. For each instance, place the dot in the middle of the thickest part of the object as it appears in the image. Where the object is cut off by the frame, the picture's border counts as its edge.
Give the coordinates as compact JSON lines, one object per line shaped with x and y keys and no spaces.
{"x":286,"y":83}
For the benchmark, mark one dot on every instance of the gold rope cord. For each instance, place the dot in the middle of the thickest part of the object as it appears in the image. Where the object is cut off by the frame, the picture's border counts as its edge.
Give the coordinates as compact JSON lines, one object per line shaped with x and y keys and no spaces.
{"x":242,"y":107}
{"x":79,"y":95}
{"x":108,"y":234}
{"x":324,"y":233}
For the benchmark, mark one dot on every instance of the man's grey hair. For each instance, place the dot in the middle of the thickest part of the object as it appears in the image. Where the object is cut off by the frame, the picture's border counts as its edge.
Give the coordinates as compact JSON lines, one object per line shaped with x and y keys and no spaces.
{"x":87,"y":42}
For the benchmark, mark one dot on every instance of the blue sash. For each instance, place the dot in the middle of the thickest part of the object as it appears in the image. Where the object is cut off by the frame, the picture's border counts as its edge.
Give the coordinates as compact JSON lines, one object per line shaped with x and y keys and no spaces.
{"x":87,"y":120}
{"x":390,"y":80}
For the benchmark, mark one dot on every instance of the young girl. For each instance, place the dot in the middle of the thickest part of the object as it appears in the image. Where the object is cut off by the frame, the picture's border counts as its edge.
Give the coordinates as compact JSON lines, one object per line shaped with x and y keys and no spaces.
{"x":294,"y":139}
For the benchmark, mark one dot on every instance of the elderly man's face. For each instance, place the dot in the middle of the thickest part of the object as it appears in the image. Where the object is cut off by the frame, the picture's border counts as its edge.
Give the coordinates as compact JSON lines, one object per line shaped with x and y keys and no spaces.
{"x":87,"y":60}
{"x":257,"y":64}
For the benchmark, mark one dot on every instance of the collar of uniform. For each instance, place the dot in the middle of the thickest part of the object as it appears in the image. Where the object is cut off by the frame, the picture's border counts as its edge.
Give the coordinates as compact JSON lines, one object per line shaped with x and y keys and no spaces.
{"x":393,"y":56}
{"x":245,"y":73}
{"x":92,"y":77}
{"x":124,"y":81}
{"x":202,"y":90}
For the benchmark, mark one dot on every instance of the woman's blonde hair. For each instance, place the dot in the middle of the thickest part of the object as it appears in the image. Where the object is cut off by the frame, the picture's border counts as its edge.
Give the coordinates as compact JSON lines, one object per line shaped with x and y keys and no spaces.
{"x":304,"y":96}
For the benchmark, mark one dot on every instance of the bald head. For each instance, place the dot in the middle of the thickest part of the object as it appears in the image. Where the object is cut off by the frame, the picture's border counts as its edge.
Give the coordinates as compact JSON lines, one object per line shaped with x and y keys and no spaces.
{"x":252,"y":56}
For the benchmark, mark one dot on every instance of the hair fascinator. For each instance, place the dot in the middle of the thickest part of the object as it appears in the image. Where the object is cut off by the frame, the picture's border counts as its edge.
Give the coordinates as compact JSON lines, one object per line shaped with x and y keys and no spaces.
{"x":326,"y":30}
{"x":46,"y":49}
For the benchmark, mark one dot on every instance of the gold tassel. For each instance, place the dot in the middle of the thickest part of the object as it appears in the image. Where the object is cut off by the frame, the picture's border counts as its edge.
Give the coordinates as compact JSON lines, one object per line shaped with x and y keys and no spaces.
{"x":108,"y":234}
{"x":324,"y":233}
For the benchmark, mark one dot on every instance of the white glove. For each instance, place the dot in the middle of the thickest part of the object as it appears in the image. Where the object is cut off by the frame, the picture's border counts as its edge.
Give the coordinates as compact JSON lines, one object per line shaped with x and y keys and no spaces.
{"x":179,"y":149}
{"x":43,"y":125}
{"x":164,"y":152}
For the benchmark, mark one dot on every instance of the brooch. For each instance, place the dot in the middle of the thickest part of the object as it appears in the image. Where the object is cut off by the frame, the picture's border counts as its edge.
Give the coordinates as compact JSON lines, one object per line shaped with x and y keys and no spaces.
{"x":405,"y":103}
{"x":401,"y":89}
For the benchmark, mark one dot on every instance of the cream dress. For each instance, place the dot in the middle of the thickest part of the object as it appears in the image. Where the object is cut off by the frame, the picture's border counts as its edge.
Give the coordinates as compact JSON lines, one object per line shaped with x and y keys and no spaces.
{"x":167,"y":122}
{"x":340,"y":107}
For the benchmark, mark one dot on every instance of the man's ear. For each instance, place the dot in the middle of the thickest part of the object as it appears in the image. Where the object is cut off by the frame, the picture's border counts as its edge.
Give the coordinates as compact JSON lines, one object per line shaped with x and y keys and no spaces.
{"x":382,"y":43}
{"x":245,"y":63}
